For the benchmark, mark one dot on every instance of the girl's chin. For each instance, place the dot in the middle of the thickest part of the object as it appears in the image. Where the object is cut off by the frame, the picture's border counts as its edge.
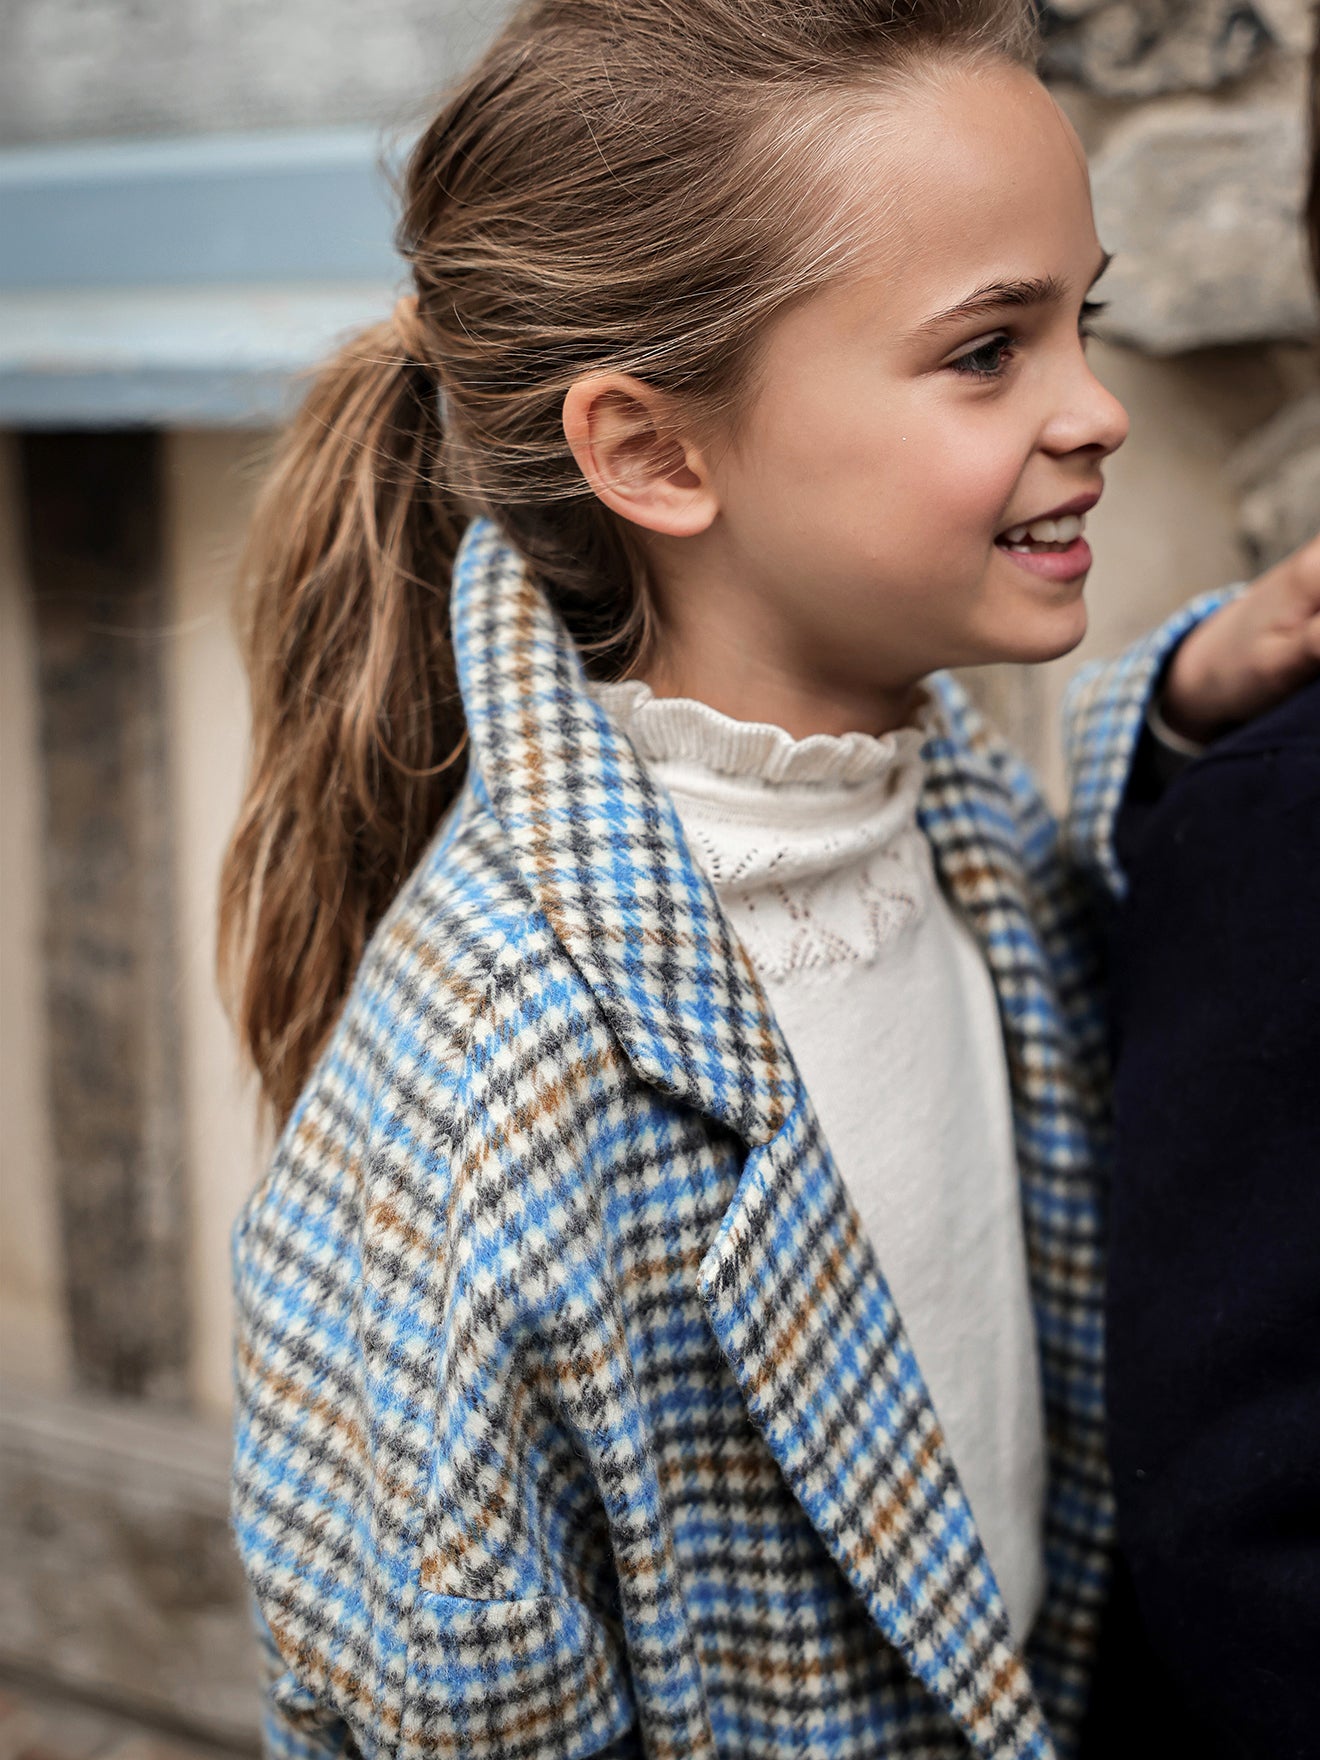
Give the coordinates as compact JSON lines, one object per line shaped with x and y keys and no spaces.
{"x":1048,"y":634}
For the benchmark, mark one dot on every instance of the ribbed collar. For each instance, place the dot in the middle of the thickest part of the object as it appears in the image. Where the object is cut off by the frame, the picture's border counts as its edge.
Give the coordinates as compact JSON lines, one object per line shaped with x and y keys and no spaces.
{"x":682,"y":730}
{"x":761,"y":808}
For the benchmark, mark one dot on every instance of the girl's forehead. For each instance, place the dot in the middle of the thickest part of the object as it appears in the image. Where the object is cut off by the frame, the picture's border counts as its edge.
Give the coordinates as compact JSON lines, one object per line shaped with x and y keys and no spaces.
{"x":974,"y":177}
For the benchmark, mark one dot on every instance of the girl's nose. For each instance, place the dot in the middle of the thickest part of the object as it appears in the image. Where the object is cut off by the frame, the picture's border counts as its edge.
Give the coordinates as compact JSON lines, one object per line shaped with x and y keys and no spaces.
{"x":1091,"y":418}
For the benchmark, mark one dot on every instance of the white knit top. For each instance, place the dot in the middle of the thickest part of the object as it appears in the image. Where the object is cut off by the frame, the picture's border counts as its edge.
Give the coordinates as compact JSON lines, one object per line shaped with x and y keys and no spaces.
{"x":883,"y":997}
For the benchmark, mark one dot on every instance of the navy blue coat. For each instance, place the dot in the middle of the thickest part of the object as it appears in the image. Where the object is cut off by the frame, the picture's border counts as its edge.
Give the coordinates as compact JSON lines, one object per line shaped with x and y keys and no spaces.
{"x":1214,"y":1274}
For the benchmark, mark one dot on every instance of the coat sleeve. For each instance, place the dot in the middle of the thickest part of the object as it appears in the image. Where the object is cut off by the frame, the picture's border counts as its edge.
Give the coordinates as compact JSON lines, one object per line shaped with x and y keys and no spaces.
{"x":291,"y":1728}
{"x":1214,"y":1289}
{"x":425,"y":1545}
{"x":1104,"y":713}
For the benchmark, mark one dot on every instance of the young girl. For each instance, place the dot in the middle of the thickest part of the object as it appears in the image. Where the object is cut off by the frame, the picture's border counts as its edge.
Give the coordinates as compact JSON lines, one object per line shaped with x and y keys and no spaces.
{"x":686,"y":1032}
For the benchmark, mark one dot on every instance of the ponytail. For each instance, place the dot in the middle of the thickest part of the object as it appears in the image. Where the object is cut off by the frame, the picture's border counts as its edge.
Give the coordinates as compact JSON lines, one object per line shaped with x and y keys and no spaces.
{"x":358,"y":742}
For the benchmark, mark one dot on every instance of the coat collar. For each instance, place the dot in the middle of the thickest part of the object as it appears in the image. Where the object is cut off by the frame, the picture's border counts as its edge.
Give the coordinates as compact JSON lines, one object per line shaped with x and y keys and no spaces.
{"x":603,"y":853}
{"x":793,"y":1290}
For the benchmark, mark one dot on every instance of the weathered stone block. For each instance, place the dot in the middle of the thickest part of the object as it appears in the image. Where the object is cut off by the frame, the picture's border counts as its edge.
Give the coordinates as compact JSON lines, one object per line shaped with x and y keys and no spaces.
{"x":121,"y":1581}
{"x":1291,"y":22}
{"x":88,"y":69}
{"x":1142,"y":48}
{"x":1052,"y":17}
{"x":1202,"y":205}
{"x":97,"y":579}
{"x":1277,"y":472}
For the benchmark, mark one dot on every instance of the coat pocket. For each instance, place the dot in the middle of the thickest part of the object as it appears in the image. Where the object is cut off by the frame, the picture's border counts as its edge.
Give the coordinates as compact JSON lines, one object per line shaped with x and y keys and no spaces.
{"x":541,"y":1678}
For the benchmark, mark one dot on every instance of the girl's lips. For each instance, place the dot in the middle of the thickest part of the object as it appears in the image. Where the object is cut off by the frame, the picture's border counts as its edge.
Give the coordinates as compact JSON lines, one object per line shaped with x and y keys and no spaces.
{"x":1052,"y":565}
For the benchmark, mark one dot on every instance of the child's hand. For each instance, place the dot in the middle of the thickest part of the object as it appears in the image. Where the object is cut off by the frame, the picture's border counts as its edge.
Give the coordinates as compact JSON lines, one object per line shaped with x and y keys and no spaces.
{"x":1251,"y":654}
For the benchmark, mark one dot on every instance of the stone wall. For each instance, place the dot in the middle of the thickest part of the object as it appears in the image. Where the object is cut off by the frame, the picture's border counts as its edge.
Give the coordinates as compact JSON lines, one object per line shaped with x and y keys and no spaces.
{"x":130,"y":1132}
{"x":1194,"y":116}
{"x":92,"y":69}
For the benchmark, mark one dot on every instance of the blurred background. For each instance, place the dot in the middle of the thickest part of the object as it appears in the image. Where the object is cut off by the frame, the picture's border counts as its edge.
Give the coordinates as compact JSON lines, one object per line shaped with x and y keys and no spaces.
{"x":192,"y":208}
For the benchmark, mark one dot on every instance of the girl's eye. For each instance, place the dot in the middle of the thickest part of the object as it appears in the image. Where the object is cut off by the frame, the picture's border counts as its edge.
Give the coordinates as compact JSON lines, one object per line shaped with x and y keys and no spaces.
{"x":987,"y":360}
{"x":1091,"y":308}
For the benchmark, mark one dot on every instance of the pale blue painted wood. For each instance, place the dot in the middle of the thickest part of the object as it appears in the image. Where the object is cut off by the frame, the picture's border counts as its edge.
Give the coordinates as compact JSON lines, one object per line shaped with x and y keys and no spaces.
{"x":278,"y":207}
{"x":186,"y":282}
{"x":146,"y":398}
{"x":196,"y":355}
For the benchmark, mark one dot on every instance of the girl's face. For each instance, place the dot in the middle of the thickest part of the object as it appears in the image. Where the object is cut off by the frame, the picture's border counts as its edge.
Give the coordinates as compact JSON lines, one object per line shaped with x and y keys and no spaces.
{"x":909,"y":416}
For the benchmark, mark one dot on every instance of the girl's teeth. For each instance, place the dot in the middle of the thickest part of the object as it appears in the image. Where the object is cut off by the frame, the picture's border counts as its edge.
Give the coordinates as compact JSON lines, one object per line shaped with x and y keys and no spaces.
{"x":1048,"y":531}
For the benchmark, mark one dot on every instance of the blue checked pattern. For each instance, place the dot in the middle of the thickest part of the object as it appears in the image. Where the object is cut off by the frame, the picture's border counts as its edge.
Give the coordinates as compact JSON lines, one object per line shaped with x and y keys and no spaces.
{"x":575,"y":1413}
{"x":1103,"y":713}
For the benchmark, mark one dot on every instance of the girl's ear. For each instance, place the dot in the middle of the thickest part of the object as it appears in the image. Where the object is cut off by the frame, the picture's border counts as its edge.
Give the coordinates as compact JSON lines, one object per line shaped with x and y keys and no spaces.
{"x":629,"y":448}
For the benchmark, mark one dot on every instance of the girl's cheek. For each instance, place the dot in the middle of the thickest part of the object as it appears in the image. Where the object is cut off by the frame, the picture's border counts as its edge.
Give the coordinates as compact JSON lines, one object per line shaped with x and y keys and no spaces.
{"x":981,"y":476}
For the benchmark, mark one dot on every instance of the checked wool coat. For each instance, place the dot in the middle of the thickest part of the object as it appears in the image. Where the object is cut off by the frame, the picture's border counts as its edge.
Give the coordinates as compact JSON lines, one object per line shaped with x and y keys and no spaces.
{"x":575,"y":1415}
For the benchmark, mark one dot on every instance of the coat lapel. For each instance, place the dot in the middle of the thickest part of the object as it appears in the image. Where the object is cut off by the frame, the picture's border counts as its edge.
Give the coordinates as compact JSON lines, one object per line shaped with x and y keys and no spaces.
{"x":603,"y":854}
{"x":991,"y":840}
{"x":795,"y":1297}
{"x":805,"y":1318}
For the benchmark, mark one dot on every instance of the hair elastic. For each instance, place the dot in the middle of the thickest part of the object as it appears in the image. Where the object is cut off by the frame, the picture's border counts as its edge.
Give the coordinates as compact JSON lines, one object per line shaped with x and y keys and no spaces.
{"x":410,"y":330}
{"x":413,"y":342}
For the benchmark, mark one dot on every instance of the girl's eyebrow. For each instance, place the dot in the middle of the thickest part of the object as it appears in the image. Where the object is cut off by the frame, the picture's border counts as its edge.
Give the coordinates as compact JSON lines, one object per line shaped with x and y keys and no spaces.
{"x":997,"y":294}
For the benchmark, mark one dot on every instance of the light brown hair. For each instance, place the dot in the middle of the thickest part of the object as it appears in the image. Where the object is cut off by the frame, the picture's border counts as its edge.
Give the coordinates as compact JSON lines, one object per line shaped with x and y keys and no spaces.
{"x":637,"y":186}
